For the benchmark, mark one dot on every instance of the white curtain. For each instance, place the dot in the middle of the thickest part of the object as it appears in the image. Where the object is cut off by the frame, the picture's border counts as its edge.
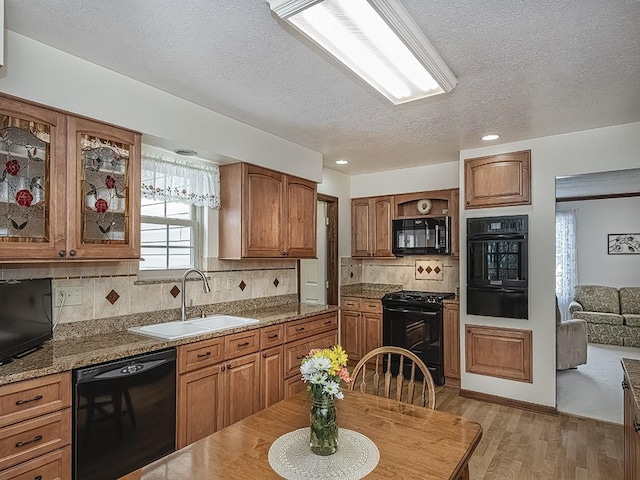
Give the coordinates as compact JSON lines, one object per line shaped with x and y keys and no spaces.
{"x":171,"y":179}
{"x":566,"y":260}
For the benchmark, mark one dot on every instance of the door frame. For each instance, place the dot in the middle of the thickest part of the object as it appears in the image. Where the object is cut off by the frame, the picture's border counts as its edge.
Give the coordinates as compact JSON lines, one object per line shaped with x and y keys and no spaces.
{"x":332,"y":267}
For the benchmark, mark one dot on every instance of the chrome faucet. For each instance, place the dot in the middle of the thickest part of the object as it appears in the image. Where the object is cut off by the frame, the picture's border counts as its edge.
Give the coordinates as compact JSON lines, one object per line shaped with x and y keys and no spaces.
{"x":183,"y":311}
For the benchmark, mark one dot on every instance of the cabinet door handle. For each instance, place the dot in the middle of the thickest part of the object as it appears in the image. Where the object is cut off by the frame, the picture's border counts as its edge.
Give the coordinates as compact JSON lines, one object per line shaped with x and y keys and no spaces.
{"x":243,"y":344}
{"x":34,"y":399}
{"x":299,"y":329}
{"x":271,"y":337}
{"x":72,"y":253}
{"x":37,"y":438}
{"x":62,"y":253}
{"x":636,"y":426}
{"x":625,"y":385}
{"x":203,"y":355}
{"x":229,"y":366}
{"x":264,"y":355}
{"x":300,"y":357}
{"x":39,"y":477}
{"x":328,"y":322}
{"x":222,"y":368}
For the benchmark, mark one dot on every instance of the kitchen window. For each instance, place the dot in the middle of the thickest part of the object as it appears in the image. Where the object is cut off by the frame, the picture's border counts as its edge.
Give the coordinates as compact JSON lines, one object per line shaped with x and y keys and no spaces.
{"x":174,"y":196}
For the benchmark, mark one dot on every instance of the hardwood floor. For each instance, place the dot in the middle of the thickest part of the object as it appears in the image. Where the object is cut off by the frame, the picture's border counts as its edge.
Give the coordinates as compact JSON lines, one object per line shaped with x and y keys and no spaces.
{"x":518,"y":444}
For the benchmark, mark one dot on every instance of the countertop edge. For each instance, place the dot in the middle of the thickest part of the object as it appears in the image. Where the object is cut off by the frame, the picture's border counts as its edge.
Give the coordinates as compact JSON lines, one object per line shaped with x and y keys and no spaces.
{"x":631,"y":368}
{"x":139,"y":344}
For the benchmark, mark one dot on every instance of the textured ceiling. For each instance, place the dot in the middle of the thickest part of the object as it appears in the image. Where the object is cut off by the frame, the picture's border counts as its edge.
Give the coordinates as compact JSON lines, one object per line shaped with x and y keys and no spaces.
{"x":525,"y":70}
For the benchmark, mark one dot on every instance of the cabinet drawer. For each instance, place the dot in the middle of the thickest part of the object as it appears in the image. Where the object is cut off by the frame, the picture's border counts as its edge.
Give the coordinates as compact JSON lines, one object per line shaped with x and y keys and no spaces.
{"x":31,"y":438}
{"x":241,"y":343}
{"x":371,"y":306}
{"x":296,"y":351}
{"x":23,"y":400}
{"x":350,"y":303}
{"x":52,"y":466}
{"x":310,"y":326}
{"x":200,"y":354}
{"x":271,"y":336}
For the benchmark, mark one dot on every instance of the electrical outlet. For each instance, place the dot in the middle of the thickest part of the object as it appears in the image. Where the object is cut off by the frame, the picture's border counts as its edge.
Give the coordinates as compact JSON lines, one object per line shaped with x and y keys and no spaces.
{"x":229,"y":283}
{"x":71,"y":295}
{"x":217,"y":284}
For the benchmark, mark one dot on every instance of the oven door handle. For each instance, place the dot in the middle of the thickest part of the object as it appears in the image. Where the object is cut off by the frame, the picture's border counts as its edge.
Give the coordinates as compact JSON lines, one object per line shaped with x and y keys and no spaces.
{"x":498,"y":236}
{"x":402,"y":310}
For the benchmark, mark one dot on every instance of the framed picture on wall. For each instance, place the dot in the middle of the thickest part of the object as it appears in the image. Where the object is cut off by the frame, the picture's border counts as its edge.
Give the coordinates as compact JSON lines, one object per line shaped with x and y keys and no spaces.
{"x":624,"y":243}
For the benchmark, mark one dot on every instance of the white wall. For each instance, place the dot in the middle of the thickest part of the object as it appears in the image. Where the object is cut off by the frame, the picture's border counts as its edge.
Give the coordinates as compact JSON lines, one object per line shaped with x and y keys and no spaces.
{"x":337,"y":184}
{"x":43,"y":74}
{"x":611,"y":148}
{"x":406,"y":180}
{"x":595,"y":219}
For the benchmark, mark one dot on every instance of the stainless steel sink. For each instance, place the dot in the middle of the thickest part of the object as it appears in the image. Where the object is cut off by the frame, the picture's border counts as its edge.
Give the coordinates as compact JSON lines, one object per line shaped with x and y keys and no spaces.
{"x":190,"y":328}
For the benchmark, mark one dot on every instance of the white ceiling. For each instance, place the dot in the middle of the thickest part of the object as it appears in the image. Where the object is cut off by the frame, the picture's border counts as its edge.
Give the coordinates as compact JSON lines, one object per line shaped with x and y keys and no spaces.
{"x":600,"y":183}
{"x":525,"y":70}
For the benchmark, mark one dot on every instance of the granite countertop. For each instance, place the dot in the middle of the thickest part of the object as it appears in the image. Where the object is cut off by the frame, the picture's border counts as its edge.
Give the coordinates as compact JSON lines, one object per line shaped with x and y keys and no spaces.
{"x":455,"y":301}
{"x":368,"y":290}
{"x":64,"y":355}
{"x":632,"y":369}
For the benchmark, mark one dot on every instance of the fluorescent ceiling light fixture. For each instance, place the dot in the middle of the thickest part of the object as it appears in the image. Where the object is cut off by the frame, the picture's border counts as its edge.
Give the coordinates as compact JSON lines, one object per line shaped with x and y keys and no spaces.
{"x":491,"y":136}
{"x":377,"y":40}
{"x":342,"y":162}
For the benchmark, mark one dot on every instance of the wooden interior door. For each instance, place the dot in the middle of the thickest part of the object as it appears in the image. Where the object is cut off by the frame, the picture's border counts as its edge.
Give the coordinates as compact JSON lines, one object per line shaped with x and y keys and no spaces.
{"x":263,"y":213}
{"x":382,"y":210}
{"x":360,"y":227}
{"x":300,"y":220}
{"x":32,"y":181}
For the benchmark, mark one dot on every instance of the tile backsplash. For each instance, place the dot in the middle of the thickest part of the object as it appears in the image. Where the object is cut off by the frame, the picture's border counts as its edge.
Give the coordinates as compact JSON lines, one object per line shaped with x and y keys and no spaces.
{"x":439,"y":273}
{"x":115,"y":289}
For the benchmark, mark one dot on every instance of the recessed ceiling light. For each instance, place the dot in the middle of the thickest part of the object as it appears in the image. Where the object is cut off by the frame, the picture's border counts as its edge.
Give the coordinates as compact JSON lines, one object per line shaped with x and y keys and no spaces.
{"x":492,"y":136}
{"x":342,"y":162}
{"x":185,"y":152}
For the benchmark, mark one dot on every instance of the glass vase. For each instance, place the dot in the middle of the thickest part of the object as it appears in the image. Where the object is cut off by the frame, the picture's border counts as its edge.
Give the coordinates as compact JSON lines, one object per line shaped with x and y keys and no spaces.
{"x":324,"y":426}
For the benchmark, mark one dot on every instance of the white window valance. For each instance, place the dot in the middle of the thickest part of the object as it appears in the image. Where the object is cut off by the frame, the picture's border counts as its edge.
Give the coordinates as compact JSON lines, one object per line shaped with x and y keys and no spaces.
{"x":172,"y":179}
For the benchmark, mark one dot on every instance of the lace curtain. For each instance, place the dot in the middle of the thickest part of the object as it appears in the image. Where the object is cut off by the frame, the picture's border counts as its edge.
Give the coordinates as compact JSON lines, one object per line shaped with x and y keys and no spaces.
{"x":178,"y":181}
{"x":566,"y":260}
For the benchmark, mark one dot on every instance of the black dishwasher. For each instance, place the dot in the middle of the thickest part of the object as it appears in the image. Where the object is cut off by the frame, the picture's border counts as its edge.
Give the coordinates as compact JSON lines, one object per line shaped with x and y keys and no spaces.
{"x":124,"y":415}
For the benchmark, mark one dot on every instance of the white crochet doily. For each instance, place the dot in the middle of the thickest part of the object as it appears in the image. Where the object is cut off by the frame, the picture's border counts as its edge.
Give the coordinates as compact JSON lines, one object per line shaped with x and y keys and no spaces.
{"x":291,"y":457}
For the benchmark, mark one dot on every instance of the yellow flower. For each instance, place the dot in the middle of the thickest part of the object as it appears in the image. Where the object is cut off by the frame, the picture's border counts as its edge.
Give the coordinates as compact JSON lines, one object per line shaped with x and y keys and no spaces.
{"x":340,"y":355}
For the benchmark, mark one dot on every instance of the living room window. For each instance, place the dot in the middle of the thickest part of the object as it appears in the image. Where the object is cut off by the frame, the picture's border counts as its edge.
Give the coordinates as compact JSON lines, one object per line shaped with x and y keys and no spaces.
{"x":175,"y":194}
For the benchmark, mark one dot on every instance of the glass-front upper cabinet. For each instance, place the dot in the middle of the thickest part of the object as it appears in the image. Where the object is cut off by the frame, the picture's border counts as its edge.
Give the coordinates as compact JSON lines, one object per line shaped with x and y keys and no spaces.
{"x":32,"y":181}
{"x":104,"y":167}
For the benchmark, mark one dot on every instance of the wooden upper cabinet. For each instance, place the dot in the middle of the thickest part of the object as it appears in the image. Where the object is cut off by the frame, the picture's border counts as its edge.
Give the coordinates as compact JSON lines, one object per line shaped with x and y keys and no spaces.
{"x":265,"y":214}
{"x":70,"y":186}
{"x":302,"y":198}
{"x":371,"y":227}
{"x":498,"y":180}
{"x":103,"y":210}
{"x":32,"y":181}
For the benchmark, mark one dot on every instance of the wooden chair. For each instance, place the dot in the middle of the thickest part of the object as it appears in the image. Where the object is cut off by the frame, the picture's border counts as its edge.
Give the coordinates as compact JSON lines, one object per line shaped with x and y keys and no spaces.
{"x":365,"y":372}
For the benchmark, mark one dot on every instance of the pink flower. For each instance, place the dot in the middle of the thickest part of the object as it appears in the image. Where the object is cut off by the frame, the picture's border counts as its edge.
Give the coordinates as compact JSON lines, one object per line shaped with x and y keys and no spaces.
{"x":24,"y":198}
{"x":101,"y":205}
{"x":12,"y":167}
{"x":343,"y":373}
{"x":313,"y":351}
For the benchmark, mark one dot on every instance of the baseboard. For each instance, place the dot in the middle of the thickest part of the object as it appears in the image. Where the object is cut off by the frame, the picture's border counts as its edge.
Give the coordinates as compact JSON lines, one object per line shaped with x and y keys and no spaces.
{"x":452,"y":382}
{"x":509,"y":402}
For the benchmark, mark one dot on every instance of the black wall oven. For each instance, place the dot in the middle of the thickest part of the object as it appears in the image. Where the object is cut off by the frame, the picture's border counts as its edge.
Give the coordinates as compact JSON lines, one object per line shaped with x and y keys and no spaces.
{"x":497,"y":268}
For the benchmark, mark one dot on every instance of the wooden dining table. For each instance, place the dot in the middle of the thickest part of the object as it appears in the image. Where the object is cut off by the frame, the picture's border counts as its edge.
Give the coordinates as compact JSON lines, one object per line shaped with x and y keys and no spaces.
{"x":414,"y":442}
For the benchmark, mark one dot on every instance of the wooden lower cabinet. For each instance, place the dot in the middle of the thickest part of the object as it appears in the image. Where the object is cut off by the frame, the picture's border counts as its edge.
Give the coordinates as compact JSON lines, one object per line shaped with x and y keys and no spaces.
{"x":51,"y":466}
{"x":631,"y":435}
{"x":360,"y":326}
{"x":271,"y":376}
{"x":293,"y":385}
{"x":451,"y":323}
{"x":214,"y":397}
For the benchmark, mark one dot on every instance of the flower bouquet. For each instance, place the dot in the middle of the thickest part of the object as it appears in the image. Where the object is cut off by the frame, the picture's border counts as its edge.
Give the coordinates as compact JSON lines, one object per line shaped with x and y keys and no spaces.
{"x":322,"y":370}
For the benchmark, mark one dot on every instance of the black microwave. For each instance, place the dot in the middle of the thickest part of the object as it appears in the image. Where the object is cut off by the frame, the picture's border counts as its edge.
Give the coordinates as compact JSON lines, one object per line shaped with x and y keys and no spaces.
{"x":421,"y":236}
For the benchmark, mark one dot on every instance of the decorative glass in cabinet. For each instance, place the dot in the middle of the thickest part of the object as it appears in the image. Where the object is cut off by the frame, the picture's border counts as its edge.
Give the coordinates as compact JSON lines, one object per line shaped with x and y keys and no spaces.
{"x":24,"y":180}
{"x":105,"y":185}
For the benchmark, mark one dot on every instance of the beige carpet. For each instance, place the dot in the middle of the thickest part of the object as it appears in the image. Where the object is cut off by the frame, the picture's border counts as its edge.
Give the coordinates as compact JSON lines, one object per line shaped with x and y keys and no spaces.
{"x":593,"y":390}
